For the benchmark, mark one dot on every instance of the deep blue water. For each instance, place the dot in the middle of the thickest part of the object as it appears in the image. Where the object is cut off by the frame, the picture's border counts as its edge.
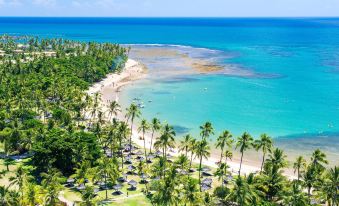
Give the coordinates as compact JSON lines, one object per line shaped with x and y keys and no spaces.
{"x":294,"y":92}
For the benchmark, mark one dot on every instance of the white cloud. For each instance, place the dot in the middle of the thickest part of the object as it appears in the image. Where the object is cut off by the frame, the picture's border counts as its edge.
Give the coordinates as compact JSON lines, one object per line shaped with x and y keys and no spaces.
{"x":45,"y":3}
{"x":10,"y":2}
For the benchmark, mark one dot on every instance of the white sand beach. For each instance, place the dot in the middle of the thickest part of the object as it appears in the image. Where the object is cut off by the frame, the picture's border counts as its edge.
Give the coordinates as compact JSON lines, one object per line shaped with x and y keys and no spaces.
{"x":110,"y":87}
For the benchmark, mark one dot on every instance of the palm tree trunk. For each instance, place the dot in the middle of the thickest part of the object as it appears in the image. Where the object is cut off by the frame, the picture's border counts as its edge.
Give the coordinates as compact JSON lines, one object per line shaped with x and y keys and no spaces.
{"x":122,"y":157}
{"x":143,"y":136}
{"x":262,"y":163}
{"x":199,"y":173}
{"x":298,"y":173}
{"x":150,"y":147}
{"x":106,"y":186}
{"x":221,"y":154}
{"x":130,"y":139}
{"x":191,"y":159}
{"x":242,"y":154}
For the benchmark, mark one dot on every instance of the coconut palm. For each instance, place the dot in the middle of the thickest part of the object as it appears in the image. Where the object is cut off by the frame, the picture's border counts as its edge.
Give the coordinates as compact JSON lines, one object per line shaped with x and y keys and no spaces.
{"x":202,"y":151}
{"x":132,"y":113}
{"x":225,"y":139}
{"x":265,"y":144}
{"x":113,"y":109}
{"x":182,"y":161}
{"x":228,"y":155}
{"x":166,"y":139}
{"x":191,"y":192}
{"x":192,"y":147}
{"x":329,"y":187}
{"x":206,"y":130}
{"x":185,"y":144}
{"x":221,"y":172}
{"x":155,"y":126}
{"x":244,"y":143}
{"x":123,"y":132}
{"x":295,"y":196}
{"x":51,"y":183}
{"x":318,"y":160}
{"x":242,"y":192}
{"x":299,"y":165}
{"x":106,"y":171}
{"x":144,"y":127}
{"x":277,"y":158}
{"x":87,"y":196}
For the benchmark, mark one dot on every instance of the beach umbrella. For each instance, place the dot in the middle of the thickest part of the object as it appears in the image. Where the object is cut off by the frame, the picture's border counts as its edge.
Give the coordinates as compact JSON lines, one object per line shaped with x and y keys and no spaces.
{"x":132,"y":183}
{"x":118,"y":192}
{"x":143,"y":176}
{"x":207,"y":174}
{"x":205,"y":169}
{"x":131,"y":167}
{"x":81,"y":187}
{"x":205,"y":187}
{"x":207,"y":181}
{"x":70,"y":180}
{"x":117,"y":187}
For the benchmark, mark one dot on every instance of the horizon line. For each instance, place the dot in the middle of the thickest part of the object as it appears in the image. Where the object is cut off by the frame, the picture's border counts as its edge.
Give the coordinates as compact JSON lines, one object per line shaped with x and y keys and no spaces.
{"x":173,"y":17}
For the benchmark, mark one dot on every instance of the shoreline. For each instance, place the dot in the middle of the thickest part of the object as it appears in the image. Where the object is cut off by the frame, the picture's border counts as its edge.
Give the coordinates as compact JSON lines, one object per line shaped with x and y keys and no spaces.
{"x":109,"y":89}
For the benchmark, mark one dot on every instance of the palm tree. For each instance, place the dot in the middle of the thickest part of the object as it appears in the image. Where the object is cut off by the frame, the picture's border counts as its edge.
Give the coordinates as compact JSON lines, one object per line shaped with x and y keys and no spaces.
{"x":144,"y":127}
{"x":182,"y":161}
{"x":225,"y":139}
{"x":123,"y":132}
{"x":107,"y":171}
{"x":155,"y":126}
{"x":87,"y":196}
{"x":206,"y":130}
{"x":330,"y":186}
{"x":228,"y":155}
{"x":310,"y":179}
{"x":295,"y":196}
{"x":132,"y":113}
{"x":265,"y":143}
{"x":277,"y":158}
{"x":222,"y":172}
{"x":166,"y":139}
{"x":318,"y":160}
{"x":242,"y":192}
{"x":51,"y":182}
{"x":192,"y":147}
{"x":191,"y":192}
{"x":19,"y":180}
{"x":299,"y":165}
{"x":114,"y":108}
{"x":185,"y":144}
{"x":82,"y":171}
{"x":202,"y":151}
{"x":244,"y":142}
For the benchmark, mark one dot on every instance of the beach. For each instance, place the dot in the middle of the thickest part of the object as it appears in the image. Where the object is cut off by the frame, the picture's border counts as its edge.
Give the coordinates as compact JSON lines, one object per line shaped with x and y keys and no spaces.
{"x":109,"y":89}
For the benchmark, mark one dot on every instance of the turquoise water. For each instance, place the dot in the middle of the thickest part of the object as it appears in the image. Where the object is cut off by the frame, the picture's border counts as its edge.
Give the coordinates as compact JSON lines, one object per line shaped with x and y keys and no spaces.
{"x":292,"y":90}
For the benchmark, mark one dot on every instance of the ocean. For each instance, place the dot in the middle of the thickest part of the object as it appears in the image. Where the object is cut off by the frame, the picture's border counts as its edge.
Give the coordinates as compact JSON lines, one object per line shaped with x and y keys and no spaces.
{"x":284,"y":78}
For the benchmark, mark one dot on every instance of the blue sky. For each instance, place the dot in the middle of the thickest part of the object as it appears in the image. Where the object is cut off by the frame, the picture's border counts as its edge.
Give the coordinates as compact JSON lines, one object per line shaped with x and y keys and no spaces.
{"x":170,"y":8}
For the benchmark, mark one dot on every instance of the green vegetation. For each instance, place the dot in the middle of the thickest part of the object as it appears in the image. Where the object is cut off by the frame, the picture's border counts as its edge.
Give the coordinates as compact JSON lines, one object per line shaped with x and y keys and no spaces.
{"x":78,"y":153}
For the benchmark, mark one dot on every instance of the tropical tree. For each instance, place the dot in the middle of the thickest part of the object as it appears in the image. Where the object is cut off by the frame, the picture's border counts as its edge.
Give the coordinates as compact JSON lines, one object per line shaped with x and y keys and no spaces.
{"x":329,"y":187}
{"x":245,"y":142}
{"x":144,"y":127}
{"x":202,"y":151}
{"x":19,"y":180}
{"x":87,"y":196}
{"x":206,"y":130}
{"x":225,"y":139}
{"x":132,"y":112}
{"x":52,"y":186}
{"x":228,"y":155}
{"x":166,"y":139}
{"x":185,"y":144}
{"x":192,"y":150}
{"x":299,"y":165}
{"x":106,"y":171}
{"x":221,"y":172}
{"x":265,"y":144}
{"x":318,"y":160}
{"x":155,"y":126}
{"x":294,"y":196}
{"x":123,"y":132}
{"x":113,"y":109}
